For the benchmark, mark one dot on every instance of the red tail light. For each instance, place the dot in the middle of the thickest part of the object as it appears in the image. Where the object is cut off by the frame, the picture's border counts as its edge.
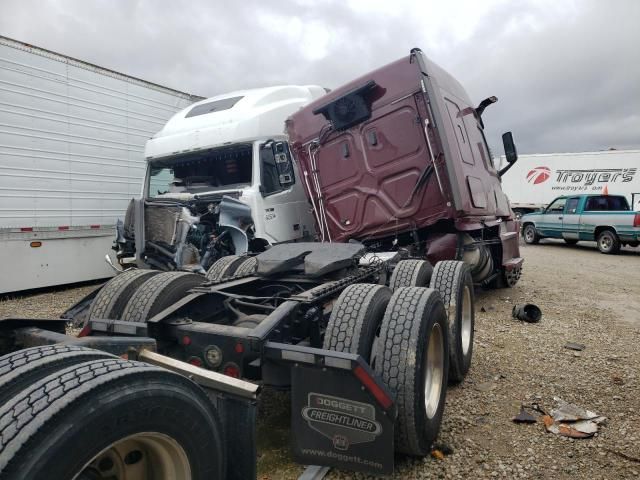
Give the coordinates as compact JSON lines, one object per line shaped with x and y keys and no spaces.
{"x":636,"y":220}
{"x":195,"y":361}
{"x":371,"y":385}
{"x":231,"y":370}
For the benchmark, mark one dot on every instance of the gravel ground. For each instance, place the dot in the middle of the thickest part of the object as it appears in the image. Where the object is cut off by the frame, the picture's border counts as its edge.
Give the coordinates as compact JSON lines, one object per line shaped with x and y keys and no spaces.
{"x":49,"y":303}
{"x":585,"y":297}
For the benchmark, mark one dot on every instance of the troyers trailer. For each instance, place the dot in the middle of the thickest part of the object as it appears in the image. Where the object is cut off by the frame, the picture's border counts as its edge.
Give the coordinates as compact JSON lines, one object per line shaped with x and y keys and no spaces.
{"x":538,"y":179}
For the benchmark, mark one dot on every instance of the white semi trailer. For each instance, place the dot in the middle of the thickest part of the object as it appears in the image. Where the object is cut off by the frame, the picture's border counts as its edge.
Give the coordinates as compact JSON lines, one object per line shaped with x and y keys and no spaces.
{"x":72,"y":139}
{"x":535,"y":180}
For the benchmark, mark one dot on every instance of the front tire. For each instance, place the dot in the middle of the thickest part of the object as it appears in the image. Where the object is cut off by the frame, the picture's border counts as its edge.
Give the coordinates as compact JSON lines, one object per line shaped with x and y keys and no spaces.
{"x":111,"y":419}
{"x":530,"y":234}
{"x":608,"y":242}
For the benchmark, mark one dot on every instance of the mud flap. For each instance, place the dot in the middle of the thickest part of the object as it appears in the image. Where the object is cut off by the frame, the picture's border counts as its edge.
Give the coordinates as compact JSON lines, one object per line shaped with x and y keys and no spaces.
{"x":341,"y":414}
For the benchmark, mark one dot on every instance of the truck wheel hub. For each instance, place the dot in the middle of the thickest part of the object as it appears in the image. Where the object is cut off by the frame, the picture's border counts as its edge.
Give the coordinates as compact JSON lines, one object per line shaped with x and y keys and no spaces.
{"x":433,"y":371}
{"x":142,"y":456}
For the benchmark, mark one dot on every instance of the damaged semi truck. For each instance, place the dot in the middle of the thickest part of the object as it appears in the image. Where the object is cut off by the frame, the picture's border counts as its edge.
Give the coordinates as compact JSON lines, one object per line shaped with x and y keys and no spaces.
{"x":218,"y":184}
{"x":162,"y":381}
{"x":403,"y":166}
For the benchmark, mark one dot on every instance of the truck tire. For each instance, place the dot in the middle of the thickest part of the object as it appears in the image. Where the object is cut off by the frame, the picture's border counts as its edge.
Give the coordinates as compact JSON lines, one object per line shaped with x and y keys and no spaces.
{"x":452,"y":279}
{"x":224,"y":267}
{"x":158,"y":293}
{"x":530,"y":235}
{"x":355,"y":319}
{"x":114,"y":295}
{"x":246,"y":267}
{"x":608,"y":242}
{"x":411,"y":273}
{"x":111,"y":419}
{"x":24,"y":367}
{"x":414,"y":365}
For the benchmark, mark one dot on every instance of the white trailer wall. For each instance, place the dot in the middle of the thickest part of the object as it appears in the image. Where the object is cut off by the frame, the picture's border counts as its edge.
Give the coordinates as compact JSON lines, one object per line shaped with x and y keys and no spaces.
{"x":535,"y":180}
{"x":72,"y":141}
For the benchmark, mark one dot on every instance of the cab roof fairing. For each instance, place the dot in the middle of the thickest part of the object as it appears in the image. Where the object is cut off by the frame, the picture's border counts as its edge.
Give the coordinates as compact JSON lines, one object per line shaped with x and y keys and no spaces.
{"x":259,"y":113}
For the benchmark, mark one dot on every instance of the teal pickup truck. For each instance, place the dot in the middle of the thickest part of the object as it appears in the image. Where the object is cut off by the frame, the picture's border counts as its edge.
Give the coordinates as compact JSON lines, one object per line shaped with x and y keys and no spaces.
{"x":606,"y":219}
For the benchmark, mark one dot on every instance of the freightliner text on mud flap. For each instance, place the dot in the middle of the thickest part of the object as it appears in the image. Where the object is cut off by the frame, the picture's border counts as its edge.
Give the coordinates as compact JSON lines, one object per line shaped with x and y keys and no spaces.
{"x":336,"y":422}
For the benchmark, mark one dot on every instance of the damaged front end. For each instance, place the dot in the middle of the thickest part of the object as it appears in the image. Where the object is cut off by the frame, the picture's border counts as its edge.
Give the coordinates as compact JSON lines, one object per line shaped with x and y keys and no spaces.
{"x":188,"y":233}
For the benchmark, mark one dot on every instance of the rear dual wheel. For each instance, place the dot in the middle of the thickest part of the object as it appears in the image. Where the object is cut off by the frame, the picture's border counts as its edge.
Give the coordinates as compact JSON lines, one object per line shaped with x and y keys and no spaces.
{"x":158,"y":293}
{"x":112,"y":298}
{"x":452,"y":279}
{"x":131,"y":420}
{"x":411,"y":273}
{"x":414,"y":363}
{"x":224,"y":267}
{"x":403,"y":336}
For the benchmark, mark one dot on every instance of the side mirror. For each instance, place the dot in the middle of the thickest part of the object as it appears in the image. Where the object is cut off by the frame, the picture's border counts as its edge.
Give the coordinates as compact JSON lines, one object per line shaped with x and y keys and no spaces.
{"x":509,"y":147}
{"x":510,"y":152}
{"x":284,"y":165}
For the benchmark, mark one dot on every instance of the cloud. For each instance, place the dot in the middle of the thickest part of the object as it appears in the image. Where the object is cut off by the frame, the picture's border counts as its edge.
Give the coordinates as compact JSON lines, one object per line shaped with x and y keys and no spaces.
{"x":566,"y":73}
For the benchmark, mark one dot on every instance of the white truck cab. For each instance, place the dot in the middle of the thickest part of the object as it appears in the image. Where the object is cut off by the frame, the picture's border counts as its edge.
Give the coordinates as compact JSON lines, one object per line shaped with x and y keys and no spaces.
{"x":220,"y":180}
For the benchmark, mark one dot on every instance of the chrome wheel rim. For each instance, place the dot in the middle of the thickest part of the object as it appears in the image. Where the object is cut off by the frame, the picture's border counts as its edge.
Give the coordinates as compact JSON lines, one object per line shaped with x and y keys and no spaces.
{"x":605,"y":242}
{"x":466,"y":324}
{"x":142,"y":456}
{"x":433,"y":371}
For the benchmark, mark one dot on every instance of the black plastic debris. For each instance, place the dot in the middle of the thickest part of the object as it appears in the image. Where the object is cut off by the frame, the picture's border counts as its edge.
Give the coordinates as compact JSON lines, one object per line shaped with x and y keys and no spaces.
{"x":524,"y":417}
{"x":527,"y":312}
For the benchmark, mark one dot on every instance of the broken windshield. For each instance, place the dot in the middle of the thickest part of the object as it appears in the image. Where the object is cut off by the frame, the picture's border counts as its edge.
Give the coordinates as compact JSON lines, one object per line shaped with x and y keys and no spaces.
{"x":216,"y":169}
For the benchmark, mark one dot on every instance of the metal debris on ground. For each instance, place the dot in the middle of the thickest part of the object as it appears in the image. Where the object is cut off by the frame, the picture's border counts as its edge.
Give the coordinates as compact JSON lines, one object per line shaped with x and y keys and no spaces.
{"x":572,"y":421}
{"x":524,"y":417}
{"x":437,"y":454}
{"x":444,"y":448}
{"x":527,"y":312}
{"x":575,"y":346}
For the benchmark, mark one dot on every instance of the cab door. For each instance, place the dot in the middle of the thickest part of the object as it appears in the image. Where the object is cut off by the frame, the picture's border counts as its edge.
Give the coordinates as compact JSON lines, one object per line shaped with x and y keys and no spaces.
{"x":284,"y":211}
{"x":571,"y":219}
{"x":550,"y":222}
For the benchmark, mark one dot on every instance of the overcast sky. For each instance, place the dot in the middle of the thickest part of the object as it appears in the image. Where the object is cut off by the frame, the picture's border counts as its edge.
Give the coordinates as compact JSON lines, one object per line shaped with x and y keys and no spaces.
{"x":567,"y":73}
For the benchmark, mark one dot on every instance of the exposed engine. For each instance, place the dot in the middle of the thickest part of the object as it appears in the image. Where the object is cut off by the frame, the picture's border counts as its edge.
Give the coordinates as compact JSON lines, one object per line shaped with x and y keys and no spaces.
{"x":187,"y":235}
